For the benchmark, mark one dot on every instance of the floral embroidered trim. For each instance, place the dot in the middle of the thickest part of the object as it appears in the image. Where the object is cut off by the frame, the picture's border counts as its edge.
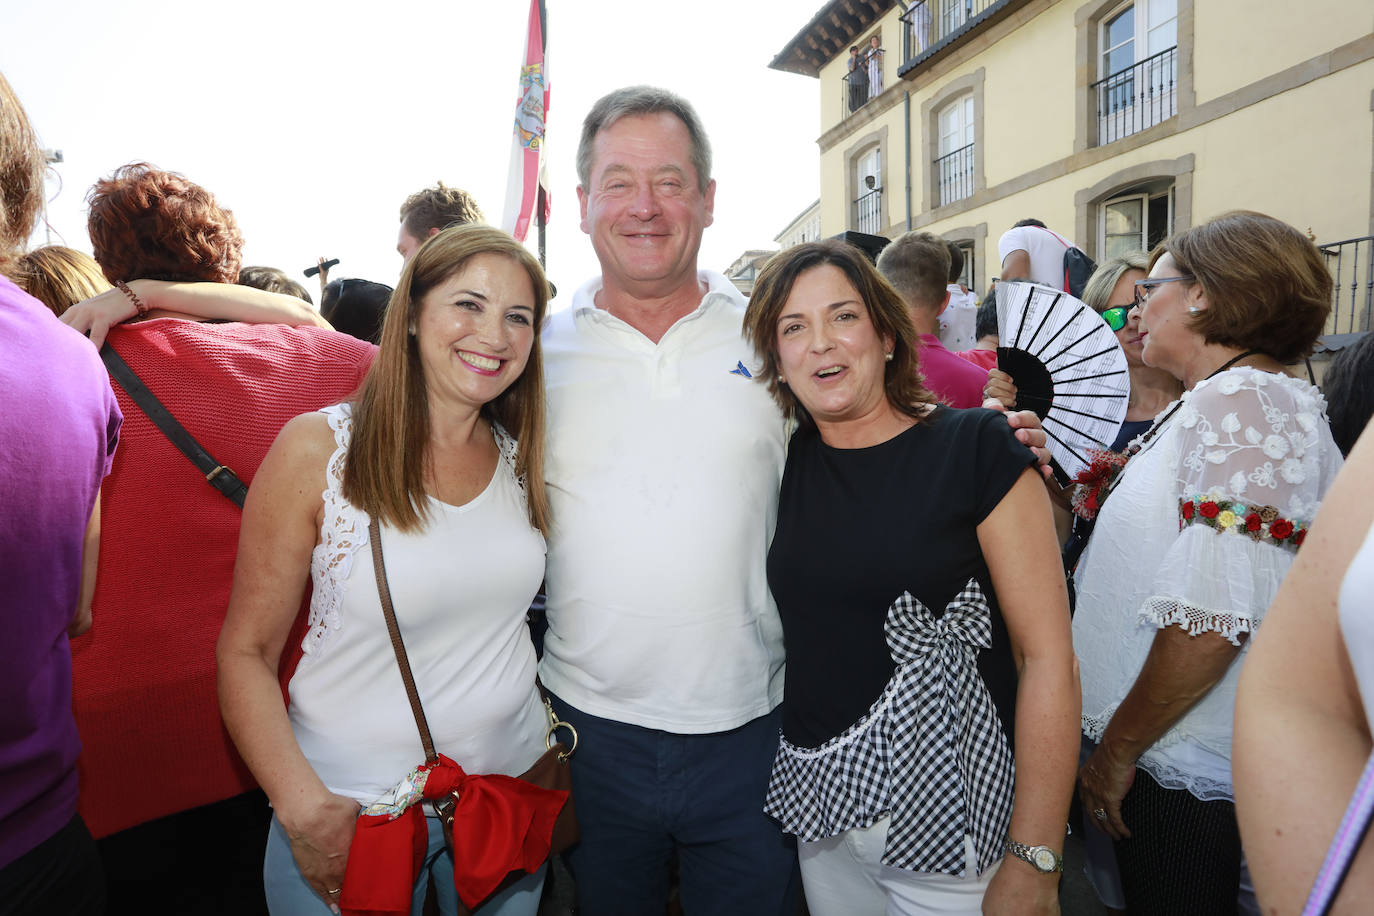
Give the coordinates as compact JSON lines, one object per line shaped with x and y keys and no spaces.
{"x":1259,"y":523}
{"x":1095,"y":481}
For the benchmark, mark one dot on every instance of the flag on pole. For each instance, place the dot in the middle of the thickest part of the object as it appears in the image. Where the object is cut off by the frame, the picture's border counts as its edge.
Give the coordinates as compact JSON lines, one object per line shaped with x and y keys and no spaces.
{"x":527,"y":171}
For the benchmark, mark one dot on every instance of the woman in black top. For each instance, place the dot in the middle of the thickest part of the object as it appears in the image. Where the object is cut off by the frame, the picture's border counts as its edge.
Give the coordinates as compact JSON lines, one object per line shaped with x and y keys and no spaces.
{"x":900,"y":526}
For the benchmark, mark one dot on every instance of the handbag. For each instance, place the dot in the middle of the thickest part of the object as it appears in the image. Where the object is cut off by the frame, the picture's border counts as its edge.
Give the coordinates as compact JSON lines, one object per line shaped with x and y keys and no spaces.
{"x":550,"y":771}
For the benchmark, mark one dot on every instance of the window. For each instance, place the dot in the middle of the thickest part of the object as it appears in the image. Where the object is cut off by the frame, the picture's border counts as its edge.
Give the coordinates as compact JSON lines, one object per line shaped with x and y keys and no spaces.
{"x":1138,"y":65}
{"x":1136,"y":221}
{"x":869,"y":184}
{"x":954,"y":165}
{"x":966,"y":277}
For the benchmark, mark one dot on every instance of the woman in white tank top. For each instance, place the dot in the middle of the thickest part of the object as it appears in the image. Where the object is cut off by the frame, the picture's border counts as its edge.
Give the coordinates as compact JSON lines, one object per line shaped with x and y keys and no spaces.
{"x":443,"y":446}
{"x":1305,"y":703}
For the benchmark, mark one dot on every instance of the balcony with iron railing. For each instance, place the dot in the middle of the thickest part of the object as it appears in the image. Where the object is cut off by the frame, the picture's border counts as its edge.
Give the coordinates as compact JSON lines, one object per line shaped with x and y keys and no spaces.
{"x":854,"y":89}
{"x":1351,"y":263}
{"x":1137,"y":97}
{"x":954,"y":176}
{"x":930,"y":25}
{"x":868,"y":212}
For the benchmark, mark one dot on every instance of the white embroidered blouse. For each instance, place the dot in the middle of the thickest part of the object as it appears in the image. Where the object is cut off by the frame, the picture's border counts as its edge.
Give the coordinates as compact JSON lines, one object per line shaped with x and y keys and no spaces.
{"x":1199,"y":532}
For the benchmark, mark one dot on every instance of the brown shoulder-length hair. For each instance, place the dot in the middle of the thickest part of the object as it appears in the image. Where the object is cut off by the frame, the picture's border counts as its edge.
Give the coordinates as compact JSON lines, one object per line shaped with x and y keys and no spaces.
{"x":1266,"y":284}
{"x":384,"y":473}
{"x":147,"y":224}
{"x":902,"y":377}
{"x":21,"y":174}
{"x":58,"y":277}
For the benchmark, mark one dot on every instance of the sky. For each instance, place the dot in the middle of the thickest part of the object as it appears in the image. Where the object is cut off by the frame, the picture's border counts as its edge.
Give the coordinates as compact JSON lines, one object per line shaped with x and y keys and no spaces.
{"x":314,"y":121}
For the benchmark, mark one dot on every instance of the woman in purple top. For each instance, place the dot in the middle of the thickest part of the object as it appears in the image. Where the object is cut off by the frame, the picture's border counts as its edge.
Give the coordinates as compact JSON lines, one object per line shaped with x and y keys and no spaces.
{"x":57,"y":439}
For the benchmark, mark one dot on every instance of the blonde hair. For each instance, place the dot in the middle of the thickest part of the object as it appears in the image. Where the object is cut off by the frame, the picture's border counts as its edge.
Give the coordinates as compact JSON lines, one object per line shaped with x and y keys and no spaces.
{"x":384,"y":470}
{"x":59,"y":277}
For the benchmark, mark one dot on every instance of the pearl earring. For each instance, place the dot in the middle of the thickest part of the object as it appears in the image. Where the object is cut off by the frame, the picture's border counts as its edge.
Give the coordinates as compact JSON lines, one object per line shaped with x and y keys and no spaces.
{"x":412,"y":329}
{"x":888,"y":357}
{"x":1193,"y":310}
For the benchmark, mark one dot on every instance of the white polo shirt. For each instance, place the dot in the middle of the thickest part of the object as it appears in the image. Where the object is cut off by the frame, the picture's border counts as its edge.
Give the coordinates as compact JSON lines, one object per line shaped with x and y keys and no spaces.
{"x":663,"y":465}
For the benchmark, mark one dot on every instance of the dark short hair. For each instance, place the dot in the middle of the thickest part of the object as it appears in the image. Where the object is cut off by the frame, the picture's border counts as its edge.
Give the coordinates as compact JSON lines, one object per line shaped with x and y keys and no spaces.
{"x":1029,"y":221}
{"x":149,"y":224}
{"x":643,"y":100}
{"x":22,"y":167}
{"x":273,"y":281}
{"x":438,"y":208}
{"x":985,"y":323}
{"x":902,"y":378}
{"x":956,"y":260}
{"x":917,"y":265}
{"x":1349,"y":389}
{"x":356,"y":307}
{"x":1266,"y":284}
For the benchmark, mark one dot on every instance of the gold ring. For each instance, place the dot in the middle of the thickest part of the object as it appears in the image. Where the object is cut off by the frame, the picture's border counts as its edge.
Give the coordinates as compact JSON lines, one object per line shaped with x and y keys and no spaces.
{"x":334,"y":891}
{"x":1100,"y":814}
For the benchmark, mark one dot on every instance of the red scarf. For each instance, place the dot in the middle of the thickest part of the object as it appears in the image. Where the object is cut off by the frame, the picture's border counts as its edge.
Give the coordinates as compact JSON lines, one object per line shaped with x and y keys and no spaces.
{"x":501,"y":824}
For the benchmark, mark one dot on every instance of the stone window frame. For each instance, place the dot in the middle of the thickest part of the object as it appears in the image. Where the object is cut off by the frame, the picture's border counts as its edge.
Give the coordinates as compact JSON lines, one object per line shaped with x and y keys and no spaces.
{"x":930,"y":139}
{"x":1088,"y":201}
{"x":1087,"y":21}
{"x":856,"y":151}
{"x":977,"y":236}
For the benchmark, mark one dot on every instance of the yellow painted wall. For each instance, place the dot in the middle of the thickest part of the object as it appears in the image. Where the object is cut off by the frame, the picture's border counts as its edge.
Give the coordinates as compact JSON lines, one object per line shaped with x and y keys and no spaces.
{"x":1304,"y":155}
{"x":1029,"y":95}
{"x":1240,"y":41}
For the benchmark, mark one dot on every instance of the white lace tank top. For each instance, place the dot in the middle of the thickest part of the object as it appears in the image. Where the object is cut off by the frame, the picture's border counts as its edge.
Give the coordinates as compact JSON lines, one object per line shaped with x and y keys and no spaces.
{"x":461,"y":589}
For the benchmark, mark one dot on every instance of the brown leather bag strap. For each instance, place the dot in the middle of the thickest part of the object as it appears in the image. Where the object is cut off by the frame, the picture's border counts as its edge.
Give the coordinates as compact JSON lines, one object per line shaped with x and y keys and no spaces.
{"x":374,"y":533}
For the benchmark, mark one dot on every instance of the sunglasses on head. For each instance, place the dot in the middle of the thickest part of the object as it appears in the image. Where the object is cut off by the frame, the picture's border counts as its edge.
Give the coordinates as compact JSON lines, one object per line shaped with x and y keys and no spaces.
{"x":1116,"y":317}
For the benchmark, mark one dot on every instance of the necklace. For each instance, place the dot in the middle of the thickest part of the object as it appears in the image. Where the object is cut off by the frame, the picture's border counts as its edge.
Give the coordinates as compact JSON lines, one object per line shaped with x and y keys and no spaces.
{"x":1139,"y":445}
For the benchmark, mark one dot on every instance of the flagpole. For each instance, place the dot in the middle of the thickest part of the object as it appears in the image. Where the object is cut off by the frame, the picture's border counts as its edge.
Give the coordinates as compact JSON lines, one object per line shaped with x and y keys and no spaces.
{"x":539,"y":221}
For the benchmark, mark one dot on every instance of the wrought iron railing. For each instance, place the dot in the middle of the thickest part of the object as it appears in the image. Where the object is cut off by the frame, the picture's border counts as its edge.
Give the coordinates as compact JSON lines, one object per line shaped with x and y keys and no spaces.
{"x":954,"y":176}
{"x":931,"y":22}
{"x":868,"y":212}
{"x":1137,"y":97}
{"x":1351,"y":263}
{"x":856,"y":89}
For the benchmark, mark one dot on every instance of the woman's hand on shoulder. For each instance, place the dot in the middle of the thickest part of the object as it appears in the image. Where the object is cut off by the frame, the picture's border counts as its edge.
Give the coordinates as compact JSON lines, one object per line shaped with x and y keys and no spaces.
{"x":320,"y":841}
{"x":95,"y":316}
{"x":1029,"y":432}
{"x":1019,"y":889}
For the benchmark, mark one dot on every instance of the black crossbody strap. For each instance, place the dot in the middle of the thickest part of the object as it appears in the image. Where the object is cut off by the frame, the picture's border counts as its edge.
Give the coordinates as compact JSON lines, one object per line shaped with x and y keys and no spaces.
{"x":218,"y":476}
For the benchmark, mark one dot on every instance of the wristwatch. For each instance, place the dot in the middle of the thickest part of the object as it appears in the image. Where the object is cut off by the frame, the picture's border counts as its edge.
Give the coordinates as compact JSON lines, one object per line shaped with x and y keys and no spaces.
{"x":1041,"y":858}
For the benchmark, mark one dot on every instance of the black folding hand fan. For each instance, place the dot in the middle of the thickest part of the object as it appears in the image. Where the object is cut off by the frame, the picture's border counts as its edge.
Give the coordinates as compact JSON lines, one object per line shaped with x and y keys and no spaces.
{"x":1067,"y":367}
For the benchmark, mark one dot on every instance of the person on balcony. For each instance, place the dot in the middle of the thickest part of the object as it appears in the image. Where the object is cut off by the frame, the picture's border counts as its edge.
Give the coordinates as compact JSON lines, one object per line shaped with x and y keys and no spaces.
{"x":874,"y":57}
{"x":857,"y":80}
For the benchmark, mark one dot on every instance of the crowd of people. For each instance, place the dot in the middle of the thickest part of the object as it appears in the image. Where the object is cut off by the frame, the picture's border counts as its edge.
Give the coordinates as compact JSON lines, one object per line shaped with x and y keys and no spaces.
{"x":703,"y":486}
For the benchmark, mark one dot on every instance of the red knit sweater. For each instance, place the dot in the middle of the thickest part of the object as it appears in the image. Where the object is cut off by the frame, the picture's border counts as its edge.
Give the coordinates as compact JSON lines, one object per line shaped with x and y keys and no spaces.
{"x":144,"y":676}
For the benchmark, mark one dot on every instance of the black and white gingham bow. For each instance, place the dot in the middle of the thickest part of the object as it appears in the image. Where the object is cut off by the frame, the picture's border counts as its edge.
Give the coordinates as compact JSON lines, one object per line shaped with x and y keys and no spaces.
{"x":951,"y":771}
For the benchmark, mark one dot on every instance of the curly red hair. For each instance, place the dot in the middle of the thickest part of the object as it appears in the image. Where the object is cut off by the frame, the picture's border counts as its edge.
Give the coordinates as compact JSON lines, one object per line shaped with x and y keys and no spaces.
{"x":147,"y":224}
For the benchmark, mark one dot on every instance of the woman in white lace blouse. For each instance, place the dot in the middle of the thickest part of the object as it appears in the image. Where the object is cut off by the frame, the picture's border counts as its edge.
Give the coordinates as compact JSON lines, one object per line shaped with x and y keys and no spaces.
{"x":442,"y":447}
{"x":1190,"y":546}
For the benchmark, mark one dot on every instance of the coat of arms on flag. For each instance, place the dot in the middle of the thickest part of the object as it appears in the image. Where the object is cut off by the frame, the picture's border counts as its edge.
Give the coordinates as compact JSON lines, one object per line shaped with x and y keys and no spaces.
{"x":529,"y":113}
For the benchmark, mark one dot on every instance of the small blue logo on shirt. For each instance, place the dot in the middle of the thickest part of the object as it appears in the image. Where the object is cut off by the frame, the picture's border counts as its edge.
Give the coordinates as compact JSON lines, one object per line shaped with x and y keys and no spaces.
{"x":741,"y":370}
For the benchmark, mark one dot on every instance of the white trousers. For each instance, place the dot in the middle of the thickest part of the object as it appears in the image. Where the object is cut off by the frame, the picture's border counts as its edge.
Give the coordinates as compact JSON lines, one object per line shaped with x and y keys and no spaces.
{"x":844,"y":876}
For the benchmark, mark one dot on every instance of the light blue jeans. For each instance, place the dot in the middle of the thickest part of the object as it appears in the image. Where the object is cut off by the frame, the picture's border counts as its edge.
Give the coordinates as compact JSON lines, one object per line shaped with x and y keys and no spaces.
{"x":288,"y":894}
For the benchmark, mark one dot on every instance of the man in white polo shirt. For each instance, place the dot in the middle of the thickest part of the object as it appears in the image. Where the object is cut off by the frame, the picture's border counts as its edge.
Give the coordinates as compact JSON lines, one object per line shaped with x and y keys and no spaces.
{"x":664,"y":459}
{"x":663,"y":463}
